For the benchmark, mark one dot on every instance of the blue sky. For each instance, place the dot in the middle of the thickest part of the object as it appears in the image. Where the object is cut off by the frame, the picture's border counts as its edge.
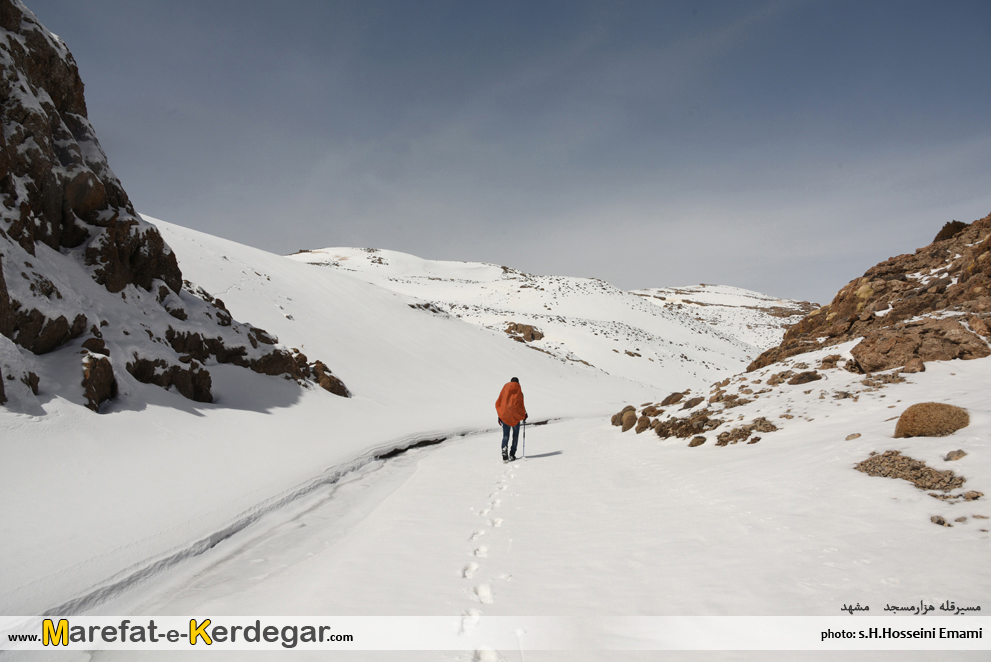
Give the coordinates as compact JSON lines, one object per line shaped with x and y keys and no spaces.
{"x":780,"y":146}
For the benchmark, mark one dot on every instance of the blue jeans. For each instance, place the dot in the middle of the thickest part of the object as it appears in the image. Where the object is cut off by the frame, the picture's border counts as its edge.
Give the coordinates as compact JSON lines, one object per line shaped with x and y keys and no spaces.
{"x":505,"y":437}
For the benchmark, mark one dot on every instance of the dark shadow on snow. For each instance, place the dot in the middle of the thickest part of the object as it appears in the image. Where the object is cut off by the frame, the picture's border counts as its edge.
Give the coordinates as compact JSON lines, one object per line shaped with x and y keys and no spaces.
{"x":533,"y":457}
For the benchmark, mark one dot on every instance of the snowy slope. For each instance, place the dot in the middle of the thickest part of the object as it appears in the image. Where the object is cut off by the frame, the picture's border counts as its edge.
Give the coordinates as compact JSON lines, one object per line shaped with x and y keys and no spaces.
{"x":755,"y":318}
{"x":599,"y":524}
{"x":225,"y":509}
{"x":634,"y":334}
{"x":178,"y":474}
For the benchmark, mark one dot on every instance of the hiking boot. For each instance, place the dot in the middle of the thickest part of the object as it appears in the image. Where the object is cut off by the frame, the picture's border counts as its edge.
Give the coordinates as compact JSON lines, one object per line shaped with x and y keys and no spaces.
{"x":505,"y":455}
{"x":512,"y":458}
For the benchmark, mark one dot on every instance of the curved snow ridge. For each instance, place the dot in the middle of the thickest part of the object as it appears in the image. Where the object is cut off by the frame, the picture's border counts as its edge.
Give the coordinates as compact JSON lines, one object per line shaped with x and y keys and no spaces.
{"x":150,"y":568}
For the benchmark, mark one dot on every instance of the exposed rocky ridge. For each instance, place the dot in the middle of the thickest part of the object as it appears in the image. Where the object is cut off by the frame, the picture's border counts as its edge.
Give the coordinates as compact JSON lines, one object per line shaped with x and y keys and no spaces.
{"x":934,"y":304}
{"x":78,"y":265}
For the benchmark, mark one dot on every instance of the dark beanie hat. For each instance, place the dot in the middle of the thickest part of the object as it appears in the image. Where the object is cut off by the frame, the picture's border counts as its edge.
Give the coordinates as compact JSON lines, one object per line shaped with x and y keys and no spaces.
{"x":515,"y":379}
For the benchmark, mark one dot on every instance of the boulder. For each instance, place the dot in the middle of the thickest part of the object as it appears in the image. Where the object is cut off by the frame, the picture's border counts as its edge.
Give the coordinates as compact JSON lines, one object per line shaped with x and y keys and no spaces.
{"x":931,"y":419}
{"x":96,"y":346}
{"x":629,"y":420}
{"x":99,"y":383}
{"x":954,"y":455}
{"x":672,"y":399}
{"x":617,"y":418}
{"x":805,"y":378}
{"x":327,"y":381}
{"x":643,"y":423}
{"x":696,"y":441}
{"x":914,"y":365}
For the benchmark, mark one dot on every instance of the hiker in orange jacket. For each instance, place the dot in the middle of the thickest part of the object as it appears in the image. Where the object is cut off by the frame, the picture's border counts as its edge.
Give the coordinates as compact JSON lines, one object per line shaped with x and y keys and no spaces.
{"x":511,"y":412}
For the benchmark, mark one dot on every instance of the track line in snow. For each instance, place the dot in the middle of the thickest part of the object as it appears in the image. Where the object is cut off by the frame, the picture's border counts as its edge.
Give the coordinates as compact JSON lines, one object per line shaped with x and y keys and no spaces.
{"x":129,"y":578}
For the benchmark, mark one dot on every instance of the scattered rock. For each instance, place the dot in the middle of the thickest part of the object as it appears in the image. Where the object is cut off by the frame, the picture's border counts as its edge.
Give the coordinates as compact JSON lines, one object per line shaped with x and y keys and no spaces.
{"x":936,"y":519}
{"x":743,"y":432}
{"x":643,"y":423}
{"x":829,"y":362}
{"x":960,"y":519}
{"x":851,"y":437}
{"x":881,"y":380}
{"x":696,"y":441}
{"x":652,"y":411}
{"x":779,"y":377}
{"x":931,"y":419}
{"x":523,"y":332}
{"x":954,"y":455}
{"x":692,"y":402}
{"x":672,"y":399}
{"x":688,"y":426}
{"x":892,"y":464}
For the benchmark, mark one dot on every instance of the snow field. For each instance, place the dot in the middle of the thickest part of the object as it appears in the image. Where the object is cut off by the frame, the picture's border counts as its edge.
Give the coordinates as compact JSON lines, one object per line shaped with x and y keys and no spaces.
{"x":584,"y":321}
{"x":598,"y":524}
{"x":102,"y":498}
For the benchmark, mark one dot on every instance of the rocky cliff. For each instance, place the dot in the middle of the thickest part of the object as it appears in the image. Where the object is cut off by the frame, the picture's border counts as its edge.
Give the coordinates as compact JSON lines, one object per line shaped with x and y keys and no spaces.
{"x":934,"y":304}
{"x":81,"y":274}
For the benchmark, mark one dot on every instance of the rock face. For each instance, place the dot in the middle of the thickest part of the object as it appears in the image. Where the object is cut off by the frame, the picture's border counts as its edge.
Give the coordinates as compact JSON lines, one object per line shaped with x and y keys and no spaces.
{"x":951,"y":275}
{"x":78,"y":267}
{"x":931,"y":419}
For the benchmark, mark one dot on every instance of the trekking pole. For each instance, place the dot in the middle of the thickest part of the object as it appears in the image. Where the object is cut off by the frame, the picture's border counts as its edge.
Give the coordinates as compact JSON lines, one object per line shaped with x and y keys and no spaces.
{"x":523,"y":451}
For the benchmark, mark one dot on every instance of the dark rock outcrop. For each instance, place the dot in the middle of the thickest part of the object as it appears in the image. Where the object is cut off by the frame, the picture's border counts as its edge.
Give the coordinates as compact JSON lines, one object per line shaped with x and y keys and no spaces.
{"x":99,"y":383}
{"x":192,"y":381}
{"x":63,"y":212}
{"x":953,"y":274}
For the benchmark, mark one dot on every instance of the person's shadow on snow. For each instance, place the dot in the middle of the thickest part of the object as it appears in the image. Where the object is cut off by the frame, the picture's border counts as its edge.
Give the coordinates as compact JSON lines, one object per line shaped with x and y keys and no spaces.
{"x":533,"y":457}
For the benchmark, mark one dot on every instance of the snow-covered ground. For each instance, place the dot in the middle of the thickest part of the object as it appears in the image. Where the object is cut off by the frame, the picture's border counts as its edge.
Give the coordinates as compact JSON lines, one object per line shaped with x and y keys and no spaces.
{"x":653,"y":336}
{"x":154,"y":476}
{"x":244,"y":506}
{"x":596,"y":524}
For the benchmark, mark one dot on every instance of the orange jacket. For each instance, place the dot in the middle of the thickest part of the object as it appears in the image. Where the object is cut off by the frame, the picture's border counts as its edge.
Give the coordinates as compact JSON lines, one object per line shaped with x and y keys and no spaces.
{"x":510,"y":405}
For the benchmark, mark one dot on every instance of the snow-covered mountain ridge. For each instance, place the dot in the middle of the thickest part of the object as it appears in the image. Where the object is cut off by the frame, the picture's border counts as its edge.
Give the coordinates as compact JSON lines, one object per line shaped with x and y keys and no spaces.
{"x":653,"y":336}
